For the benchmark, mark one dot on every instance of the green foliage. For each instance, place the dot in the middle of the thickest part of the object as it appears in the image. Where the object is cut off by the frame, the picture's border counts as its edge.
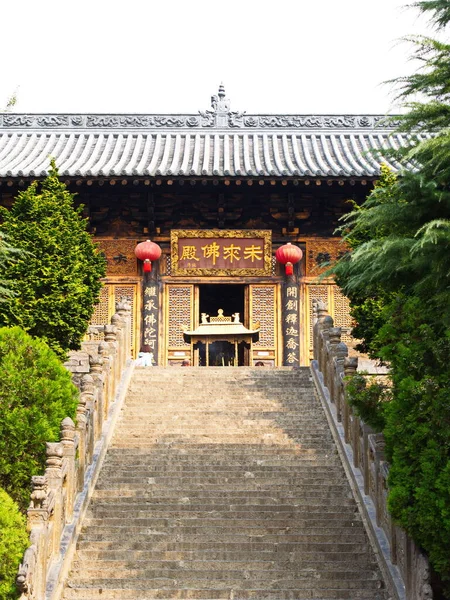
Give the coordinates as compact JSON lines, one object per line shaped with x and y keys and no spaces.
{"x":36,"y":394}
{"x":399,"y":264}
{"x":13,"y":542}
{"x":57,"y":285}
{"x":7,"y":255}
{"x":418,"y":428}
{"x":369,"y":400}
{"x":367,"y":302}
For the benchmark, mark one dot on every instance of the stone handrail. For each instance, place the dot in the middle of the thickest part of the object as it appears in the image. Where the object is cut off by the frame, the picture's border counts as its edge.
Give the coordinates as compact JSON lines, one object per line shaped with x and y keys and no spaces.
{"x":404,"y":565}
{"x":59,"y":497}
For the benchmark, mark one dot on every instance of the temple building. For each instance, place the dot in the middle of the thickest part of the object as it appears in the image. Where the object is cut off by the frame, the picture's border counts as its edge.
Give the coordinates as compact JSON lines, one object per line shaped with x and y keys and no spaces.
{"x":219,"y":192}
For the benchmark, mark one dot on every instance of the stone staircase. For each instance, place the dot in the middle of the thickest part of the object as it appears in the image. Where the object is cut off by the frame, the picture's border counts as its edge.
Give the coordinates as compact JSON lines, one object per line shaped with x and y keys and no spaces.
{"x":223,"y":483}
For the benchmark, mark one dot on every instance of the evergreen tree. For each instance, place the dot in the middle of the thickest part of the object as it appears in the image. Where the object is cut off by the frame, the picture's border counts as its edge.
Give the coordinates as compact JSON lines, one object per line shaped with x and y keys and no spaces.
{"x":56,"y":284}
{"x":7,"y":255}
{"x":400,"y":240}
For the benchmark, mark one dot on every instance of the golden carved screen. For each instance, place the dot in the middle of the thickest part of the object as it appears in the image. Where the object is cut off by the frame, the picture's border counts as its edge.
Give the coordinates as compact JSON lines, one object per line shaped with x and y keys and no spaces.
{"x":128,"y":292}
{"x":110,"y":295}
{"x":341,"y":315}
{"x":179,"y":299}
{"x":263,"y":310}
{"x":102,"y":313}
{"x":338,"y":307}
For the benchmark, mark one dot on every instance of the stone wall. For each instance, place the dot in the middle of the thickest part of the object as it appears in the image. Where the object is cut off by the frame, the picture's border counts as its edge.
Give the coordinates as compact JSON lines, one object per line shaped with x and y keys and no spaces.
{"x":404,"y":565}
{"x":59,"y":497}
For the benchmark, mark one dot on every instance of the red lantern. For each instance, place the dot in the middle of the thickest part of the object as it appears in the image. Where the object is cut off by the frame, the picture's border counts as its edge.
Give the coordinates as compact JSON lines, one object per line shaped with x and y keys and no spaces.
{"x":147,"y":251}
{"x":289,"y":255}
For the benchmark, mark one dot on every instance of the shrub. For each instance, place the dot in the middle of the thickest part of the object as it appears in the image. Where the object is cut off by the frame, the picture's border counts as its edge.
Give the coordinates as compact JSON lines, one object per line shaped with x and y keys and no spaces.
{"x":13,"y":542}
{"x":55,"y":285}
{"x":369,"y":400}
{"x":36,"y":393}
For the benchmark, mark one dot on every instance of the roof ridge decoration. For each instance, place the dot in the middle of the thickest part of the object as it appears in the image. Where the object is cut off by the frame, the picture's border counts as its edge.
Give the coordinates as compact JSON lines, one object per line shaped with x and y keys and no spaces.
{"x":220,"y":116}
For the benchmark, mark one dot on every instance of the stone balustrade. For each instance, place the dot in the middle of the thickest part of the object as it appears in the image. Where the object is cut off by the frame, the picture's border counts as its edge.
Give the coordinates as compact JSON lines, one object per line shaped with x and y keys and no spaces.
{"x":59,"y":497}
{"x":405,"y":567}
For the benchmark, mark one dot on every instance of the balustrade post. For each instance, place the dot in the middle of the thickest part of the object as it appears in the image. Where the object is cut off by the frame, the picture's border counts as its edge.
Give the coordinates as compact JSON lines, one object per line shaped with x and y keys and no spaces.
{"x":324,"y":330}
{"x":103,"y":352}
{"x":67,"y":437}
{"x":31,"y":576}
{"x":376,"y":445}
{"x":334,"y":339}
{"x":111,"y":340}
{"x":96,"y":372}
{"x":124,"y":311}
{"x":341,"y":354}
{"x":118,"y":323}
{"x":81,"y":429}
{"x":350,"y":368}
{"x":88,"y":393}
{"x":54,"y":475}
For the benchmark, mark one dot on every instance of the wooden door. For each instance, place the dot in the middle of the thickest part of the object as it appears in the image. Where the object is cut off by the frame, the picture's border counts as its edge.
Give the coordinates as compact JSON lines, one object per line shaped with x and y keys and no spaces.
{"x":263,"y":309}
{"x":178,"y":315}
{"x":110,"y":295}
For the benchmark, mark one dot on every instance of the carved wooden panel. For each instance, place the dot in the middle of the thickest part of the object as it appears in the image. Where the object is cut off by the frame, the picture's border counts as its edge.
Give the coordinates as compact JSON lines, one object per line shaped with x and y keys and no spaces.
{"x":322,"y":251}
{"x":128,"y":292}
{"x":338,"y":307}
{"x":102,"y":313}
{"x":179,"y":300}
{"x":341,"y":314}
{"x":110,"y":294}
{"x":315,"y":292}
{"x":119,"y":254}
{"x":263,"y":310}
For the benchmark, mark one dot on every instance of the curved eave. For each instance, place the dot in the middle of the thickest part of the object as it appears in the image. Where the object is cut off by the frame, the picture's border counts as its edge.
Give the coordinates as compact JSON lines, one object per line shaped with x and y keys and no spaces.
{"x":198,"y":154}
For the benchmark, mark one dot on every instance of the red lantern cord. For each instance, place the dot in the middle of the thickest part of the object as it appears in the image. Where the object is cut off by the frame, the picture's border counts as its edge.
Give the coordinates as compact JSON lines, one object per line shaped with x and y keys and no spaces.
{"x":147,"y":266}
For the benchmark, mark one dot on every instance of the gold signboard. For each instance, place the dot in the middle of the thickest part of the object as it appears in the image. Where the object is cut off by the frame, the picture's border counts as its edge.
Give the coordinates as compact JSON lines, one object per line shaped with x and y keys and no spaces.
{"x":221,"y":252}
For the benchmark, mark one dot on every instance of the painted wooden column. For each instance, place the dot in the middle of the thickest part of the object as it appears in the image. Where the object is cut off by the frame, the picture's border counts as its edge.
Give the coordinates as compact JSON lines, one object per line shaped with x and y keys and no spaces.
{"x":290,"y":320}
{"x":151,"y":313}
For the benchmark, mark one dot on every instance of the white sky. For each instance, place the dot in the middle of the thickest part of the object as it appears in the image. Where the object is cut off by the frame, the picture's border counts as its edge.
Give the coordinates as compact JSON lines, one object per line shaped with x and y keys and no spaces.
{"x":285,"y":56}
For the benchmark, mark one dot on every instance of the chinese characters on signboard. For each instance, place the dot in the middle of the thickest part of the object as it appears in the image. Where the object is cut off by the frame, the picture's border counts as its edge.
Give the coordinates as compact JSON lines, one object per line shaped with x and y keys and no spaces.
{"x":151,"y":318}
{"x":221,"y":252}
{"x":119,"y":255}
{"x":291,"y":330}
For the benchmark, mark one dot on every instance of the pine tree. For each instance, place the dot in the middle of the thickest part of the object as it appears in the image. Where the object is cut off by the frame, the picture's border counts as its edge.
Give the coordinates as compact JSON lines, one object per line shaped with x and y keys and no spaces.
{"x":56,"y":283}
{"x":401,"y":254}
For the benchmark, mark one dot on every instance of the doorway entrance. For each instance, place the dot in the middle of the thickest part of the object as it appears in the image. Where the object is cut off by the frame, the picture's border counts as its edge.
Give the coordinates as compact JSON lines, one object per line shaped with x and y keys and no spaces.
{"x":231,"y":299}
{"x":257,"y":304}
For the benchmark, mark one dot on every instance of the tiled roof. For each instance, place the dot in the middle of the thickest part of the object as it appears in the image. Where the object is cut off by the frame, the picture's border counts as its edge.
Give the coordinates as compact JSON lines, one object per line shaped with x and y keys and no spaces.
{"x":215,"y":143}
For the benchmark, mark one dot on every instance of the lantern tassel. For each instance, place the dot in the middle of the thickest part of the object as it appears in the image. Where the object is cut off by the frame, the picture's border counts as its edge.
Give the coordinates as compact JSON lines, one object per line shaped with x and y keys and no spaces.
{"x":289,"y":268}
{"x":147,"y":266}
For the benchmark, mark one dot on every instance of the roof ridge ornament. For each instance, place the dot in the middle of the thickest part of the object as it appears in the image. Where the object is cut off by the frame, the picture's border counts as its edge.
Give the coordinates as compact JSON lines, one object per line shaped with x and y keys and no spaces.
{"x":221,"y":114}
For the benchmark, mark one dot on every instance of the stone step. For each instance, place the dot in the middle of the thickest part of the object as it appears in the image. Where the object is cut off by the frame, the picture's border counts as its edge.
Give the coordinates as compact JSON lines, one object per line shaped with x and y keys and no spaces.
{"x":333,"y":523}
{"x":238,"y":584}
{"x":323,"y":570}
{"x":223,"y":484}
{"x":108,"y":550}
{"x":243,"y":496}
{"x":101,"y":534}
{"x":141,"y":490}
{"x":210,"y":594}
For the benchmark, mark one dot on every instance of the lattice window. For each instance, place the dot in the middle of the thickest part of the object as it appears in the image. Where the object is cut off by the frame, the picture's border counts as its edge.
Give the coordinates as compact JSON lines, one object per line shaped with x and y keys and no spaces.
{"x":315,"y":292}
{"x":342,"y":315}
{"x":263,"y":310}
{"x":101,"y":314}
{"x":179,"y":305}
{"x":274,"y":265}
{"x":128,"y":292}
